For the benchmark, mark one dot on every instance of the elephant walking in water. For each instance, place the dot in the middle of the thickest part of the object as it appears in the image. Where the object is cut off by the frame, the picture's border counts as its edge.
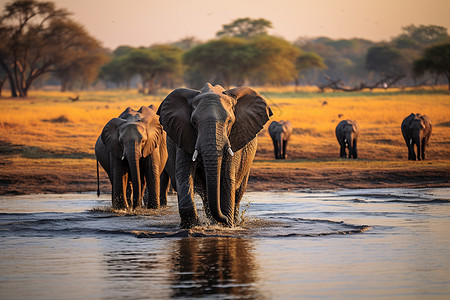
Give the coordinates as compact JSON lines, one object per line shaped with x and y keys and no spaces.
{"x":280,"y":132}
{"x":347,"y":132}
{"x":132,"y":149}
{"x":211,"y":140}
{"x":416,"y":130}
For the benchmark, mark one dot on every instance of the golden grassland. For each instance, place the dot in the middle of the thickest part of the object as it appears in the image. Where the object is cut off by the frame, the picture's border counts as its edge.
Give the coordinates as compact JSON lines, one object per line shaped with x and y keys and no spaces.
{"x":50,"y":139}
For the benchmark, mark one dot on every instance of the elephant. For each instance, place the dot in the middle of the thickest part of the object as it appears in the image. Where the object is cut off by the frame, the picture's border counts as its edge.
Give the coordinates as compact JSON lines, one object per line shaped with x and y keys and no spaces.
{"x":280,"y":132}
{"x":416,"y":130}
{"x":132,"y":150}
{"x":211,"y":143}
{"x":347,"y":132}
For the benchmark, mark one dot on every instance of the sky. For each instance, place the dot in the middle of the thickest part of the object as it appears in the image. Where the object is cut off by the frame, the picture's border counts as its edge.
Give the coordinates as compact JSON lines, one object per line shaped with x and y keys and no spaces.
{"x":146,"y":22}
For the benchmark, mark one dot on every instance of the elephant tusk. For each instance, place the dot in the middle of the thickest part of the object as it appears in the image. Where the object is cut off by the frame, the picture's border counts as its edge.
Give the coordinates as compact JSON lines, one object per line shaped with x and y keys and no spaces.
{"x":194,"y":157}
{"x":123,"y":157}
{"x":410,"y":141}
{"x":230,"y":151}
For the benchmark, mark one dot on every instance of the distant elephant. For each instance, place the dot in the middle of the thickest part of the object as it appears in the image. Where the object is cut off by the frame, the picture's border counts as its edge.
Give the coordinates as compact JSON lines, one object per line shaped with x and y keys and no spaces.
{"x":211,"y":140}
{"x":416,"y":130}
{"x":347,"y":132}
{"x":132,"y":149}
{"x":280,"y":132}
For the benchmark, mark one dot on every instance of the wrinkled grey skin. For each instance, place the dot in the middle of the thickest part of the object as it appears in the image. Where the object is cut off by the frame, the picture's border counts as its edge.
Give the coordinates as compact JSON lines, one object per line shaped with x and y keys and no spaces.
{"x":416,"y":130}
{"x":201,"y":128}
{"x":132,"y":150}
{"x":347,"y":132}
{"x":280,"y":132}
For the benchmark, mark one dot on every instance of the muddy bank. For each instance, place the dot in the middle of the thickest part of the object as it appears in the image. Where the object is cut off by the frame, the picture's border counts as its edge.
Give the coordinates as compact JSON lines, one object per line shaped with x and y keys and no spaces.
{"x":50,"y":177}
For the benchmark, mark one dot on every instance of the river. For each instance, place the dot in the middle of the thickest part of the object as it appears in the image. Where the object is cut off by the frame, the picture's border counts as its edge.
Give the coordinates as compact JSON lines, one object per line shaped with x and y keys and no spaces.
{"x":377,"y":243}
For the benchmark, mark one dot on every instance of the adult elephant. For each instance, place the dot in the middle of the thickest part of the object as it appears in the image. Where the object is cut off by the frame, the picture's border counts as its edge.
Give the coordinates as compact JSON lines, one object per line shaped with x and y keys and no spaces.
{"x":416,"y":130}
{"x":211,"y":140}
{"x":280,"y":132}
{"x":132,"y":149}
{"x":347,"y":132}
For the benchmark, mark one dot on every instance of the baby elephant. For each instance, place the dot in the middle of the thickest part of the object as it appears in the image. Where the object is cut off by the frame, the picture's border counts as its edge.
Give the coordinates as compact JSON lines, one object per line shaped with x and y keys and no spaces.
{"x":132,"y":149}
{"x":280,"y":132}
{"x":416,"y":130}
{"x":347,"y":132}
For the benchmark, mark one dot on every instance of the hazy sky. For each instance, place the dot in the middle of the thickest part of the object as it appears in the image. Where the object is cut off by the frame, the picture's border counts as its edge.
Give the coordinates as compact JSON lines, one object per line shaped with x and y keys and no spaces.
{"x":145,"y":22}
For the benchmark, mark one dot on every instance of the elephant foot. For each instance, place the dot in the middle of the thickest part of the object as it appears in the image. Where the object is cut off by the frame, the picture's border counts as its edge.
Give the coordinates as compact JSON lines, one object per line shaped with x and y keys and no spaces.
{"x":189,"y":222}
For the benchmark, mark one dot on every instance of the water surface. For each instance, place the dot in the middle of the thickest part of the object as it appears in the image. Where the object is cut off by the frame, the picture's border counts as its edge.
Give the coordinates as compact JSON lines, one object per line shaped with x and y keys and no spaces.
{"x":379,"y":243}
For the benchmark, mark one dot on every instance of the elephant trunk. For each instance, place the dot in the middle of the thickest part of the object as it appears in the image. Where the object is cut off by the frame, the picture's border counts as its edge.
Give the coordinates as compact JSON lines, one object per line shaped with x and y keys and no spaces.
{"x":213,"y":146}
{"x":133,"y":157}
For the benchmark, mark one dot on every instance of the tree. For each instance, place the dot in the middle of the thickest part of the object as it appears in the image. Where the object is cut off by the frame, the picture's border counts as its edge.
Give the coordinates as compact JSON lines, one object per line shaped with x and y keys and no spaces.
{"x":306,"y":61}
{"x":37,"y":38}
{"x":156,"y":65}
{"x":436,"y":59}
{"x":226,"y":61}
{"x":418,"y":37}
{"x":386,"y":61}
{"x":115,"y":71}
{"x":273,"y":61}
{"x":83,"y":56}
{"x":344,"y":58}
{"x":245,"y":28}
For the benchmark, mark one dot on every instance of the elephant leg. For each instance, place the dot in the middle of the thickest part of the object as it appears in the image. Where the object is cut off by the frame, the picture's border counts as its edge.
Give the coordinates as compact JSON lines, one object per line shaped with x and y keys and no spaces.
{"x":164,"y":183}
{"x":119,"y":184}
{"x":423,"y":149}
{"x":343,"y":153}
{"x":152,"y":176}
{"x":354,"y":150}
{"x":285,"y":142}
{"x":413,"y":151}
{"x":228,"y":186}
{"x":239,"y":194}
{"x":129,"y":192}
{"x":185,"y":171}
{"x":275,"y":148}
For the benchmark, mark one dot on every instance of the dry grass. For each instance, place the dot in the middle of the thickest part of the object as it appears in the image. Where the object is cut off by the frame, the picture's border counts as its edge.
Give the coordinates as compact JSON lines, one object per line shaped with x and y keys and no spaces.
{"x":40,"y":134}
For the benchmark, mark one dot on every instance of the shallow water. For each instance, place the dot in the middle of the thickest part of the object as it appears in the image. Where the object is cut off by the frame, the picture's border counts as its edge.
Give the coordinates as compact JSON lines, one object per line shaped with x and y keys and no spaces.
{"x":380,"y":243}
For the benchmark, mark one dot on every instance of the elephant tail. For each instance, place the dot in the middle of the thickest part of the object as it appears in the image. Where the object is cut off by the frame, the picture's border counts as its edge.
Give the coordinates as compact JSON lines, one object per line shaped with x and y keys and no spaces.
{"x":98,"y":181}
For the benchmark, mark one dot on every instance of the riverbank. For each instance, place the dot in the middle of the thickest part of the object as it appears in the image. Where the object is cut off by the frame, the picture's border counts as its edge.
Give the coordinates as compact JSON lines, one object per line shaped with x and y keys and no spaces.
{"x":35,"y":176}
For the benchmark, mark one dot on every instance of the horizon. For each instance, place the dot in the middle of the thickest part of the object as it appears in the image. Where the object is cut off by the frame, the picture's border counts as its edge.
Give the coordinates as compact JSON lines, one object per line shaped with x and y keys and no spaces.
{"x":154,"y":22}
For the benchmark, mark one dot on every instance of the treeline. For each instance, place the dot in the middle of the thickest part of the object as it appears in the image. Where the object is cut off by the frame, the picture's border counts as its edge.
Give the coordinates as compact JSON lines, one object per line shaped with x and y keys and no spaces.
{"x":42,"y":45}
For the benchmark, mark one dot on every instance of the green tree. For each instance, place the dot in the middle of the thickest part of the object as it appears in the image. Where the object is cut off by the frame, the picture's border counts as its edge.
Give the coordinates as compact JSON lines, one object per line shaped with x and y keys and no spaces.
{"x":37,"y":38}
{"x":418,"y":37}
{"x":226,"y":61}
{"x":306,"y":61}
{"x":386,"y":61}
{"x":436,"y":59}
{"x":273,"y":60}
{"x":115,"y":71}
{"x":83,"y":56}
{"x":345,"y":59}
{"x":245,"y":28}
{"x":156,"y":65}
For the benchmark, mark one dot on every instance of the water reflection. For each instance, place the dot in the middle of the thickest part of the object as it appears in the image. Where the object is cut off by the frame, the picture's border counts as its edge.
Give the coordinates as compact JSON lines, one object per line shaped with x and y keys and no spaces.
{"x":214,"y":266}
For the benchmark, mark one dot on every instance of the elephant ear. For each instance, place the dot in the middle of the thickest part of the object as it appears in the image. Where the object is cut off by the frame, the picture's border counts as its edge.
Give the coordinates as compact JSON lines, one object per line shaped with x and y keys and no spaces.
{"x":252,"y":112}
{"x":154,"y":132}
{"x":110,"y":136}
{"x":175,"y":117}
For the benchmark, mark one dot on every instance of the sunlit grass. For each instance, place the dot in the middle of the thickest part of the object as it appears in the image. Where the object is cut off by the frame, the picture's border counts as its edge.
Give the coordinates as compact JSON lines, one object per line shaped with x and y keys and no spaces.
{"x":33,"y":122}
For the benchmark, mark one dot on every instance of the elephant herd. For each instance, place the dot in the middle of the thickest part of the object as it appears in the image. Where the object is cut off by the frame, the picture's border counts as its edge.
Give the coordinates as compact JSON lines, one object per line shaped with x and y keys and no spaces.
{"x":416,"y":130}
{"x":204,"y":142}
{"x":201,"y":141}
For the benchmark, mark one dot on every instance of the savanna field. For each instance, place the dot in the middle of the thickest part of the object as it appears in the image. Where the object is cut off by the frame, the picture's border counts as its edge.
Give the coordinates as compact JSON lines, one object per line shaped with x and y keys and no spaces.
{"x":47,"y":140}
